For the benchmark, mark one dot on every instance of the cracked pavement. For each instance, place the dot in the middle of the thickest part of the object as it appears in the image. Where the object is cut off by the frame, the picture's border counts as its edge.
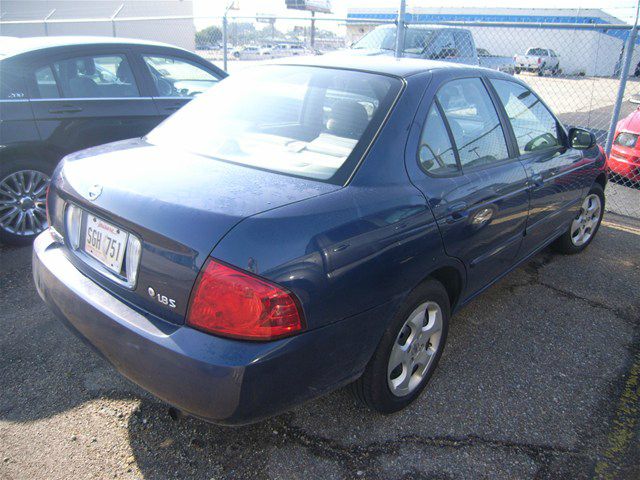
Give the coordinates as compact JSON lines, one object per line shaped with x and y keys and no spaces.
{"x":540,"y":379}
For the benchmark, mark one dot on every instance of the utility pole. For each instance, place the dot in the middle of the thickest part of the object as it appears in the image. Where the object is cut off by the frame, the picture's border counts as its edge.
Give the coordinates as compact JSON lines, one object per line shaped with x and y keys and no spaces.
{"x":313,"y":29}
{"x":400,"y":29}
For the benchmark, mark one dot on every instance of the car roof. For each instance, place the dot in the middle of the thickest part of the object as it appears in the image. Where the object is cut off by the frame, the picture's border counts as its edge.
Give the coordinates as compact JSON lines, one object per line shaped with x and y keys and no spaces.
{"x":10,"y":46}
{"x":381,"y":64}
{"x":421,"y":27}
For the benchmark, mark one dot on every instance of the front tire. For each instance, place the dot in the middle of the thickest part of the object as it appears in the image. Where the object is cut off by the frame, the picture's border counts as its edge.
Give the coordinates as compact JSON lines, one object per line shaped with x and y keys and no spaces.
{"x":23,"y":186}
{"x":408,"y":352}
{"x":585,"y":225}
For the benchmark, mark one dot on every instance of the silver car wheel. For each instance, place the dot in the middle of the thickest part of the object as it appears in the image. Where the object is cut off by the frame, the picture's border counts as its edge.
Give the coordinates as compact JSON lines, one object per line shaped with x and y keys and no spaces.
{"x":23,"y":202}
{"x":414,"y":349}
{"x":586,"y":222}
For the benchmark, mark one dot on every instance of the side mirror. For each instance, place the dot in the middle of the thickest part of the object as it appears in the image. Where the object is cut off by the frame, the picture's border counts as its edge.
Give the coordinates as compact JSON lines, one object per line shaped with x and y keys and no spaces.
{"x":581,"y":139}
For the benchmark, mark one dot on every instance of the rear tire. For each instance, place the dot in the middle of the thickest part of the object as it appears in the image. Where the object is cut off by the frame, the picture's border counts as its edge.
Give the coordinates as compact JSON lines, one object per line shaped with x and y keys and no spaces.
{"x":414,"y":341}
{"x":23,"y":184}
{"x":585,"y":225}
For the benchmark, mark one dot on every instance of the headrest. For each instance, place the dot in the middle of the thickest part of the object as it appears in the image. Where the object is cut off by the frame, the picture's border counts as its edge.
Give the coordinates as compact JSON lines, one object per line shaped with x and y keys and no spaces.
{"x":347,"y":119}
{"x":88,"y":66}
{"x":124,"y":72}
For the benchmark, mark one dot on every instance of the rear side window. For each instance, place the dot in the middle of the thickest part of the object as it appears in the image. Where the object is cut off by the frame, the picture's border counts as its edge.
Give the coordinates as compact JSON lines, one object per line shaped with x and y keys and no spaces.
{"x":473,"y":121}
{"x":103,"y":76}
{"x":534,"y":126}
{"x":436,"y":153}
{"x":46,"y":83}
{"x":443,"y":46}
{"x":174,"y":77}
{"x":463,"y":44}
{"x":11,"y":84}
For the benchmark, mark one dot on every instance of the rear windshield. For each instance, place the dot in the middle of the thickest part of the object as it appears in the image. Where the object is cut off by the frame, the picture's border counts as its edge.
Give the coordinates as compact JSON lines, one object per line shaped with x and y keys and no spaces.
{"x":416,"y":40}
{"x":304,"y":121}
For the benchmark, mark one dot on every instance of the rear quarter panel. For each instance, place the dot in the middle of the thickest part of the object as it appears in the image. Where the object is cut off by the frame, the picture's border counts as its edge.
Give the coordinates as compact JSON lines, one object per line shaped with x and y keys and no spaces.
{"x":353,"y":249}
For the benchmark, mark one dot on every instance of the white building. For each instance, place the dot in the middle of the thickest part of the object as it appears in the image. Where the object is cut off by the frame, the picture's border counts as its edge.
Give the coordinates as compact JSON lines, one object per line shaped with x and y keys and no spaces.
{"x":25,"y":18}
{"x":587,"y":52}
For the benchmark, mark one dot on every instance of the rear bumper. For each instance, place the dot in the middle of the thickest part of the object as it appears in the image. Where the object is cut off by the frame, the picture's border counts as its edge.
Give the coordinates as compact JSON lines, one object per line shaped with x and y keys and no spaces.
{"x":219,"y":380}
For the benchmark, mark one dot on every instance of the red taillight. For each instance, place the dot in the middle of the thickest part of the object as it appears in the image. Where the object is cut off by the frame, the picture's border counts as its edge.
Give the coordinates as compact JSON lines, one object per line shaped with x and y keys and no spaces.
{"x":539,"y":60}
{"x":232,"y":303}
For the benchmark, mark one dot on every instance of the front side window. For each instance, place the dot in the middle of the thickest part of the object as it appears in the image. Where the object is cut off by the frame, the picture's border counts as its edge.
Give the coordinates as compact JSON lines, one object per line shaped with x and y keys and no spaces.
{"x":96,"y":76}
{"x":302,"y":121}
{"x":174,"y":77}
{"x":436,"y":153}
{"x":534,"y":126}
{"x":473,"y":121}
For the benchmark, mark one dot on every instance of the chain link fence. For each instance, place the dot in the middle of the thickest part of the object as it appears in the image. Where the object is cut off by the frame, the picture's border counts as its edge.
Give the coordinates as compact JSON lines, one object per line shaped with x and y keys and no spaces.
{"x":575,"y":68}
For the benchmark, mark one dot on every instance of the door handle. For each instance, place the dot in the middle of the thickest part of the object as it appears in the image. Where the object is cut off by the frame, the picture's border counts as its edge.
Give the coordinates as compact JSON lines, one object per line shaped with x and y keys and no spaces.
{"x":458,"y":210}
{"x":173,"y":108}
{"x":536,"y":181}
{"x":66,"y":109}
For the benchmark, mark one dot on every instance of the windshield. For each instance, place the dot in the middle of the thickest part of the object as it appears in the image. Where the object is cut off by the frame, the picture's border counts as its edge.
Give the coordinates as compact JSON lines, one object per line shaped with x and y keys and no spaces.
{"x":415,"y":40}
{"x":302,"y":121}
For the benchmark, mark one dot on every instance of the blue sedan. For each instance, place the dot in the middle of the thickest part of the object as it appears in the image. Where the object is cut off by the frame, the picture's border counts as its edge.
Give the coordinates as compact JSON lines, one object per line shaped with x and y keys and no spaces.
{"x":310,"y":224}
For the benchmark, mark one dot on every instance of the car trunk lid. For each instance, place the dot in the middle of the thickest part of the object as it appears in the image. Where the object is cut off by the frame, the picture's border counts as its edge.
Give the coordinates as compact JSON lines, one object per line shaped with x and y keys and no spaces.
{"x":179,"y":204}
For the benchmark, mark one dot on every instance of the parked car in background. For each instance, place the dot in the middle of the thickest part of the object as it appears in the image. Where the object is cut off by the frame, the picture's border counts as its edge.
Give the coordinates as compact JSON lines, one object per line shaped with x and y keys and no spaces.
{"x":538,"y":60}
{"x":288,"y":50}
{"x":266,"y":50}
{"x":624,"y":160}
{"x":496,"y":62}
{"x":277,"y":239}
{"x":430,"y":42}
{"x":247,"y":52}
{"x":62,"y":94}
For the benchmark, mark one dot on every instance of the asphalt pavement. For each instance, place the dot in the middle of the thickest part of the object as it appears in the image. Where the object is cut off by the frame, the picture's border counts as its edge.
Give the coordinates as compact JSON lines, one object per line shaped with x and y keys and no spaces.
{"x":540,"y":379}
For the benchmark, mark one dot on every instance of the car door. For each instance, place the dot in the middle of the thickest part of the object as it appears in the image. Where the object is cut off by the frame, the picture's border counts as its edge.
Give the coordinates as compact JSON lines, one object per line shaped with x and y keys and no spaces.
{"x":469,"y":173}
{"x":17,"y":125}
{"x":176,"y":78}
{"x":86,"y":97}
{"x":557,"y":174}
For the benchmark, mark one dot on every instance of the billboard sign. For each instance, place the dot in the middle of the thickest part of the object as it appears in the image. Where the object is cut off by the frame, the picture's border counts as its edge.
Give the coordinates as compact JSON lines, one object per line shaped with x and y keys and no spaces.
{"x":322,"y":6}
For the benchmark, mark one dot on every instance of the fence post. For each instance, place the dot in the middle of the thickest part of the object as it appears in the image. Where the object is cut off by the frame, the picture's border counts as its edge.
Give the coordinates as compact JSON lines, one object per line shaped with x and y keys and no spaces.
{"x":624,"y":75}
{"x":113,"y":19}
{"x":400,"y":29}
{"x":312,"y":39}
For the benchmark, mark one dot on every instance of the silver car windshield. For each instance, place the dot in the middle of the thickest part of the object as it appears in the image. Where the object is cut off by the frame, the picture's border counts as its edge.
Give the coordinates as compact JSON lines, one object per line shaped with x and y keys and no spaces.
{"x":302,"y":121}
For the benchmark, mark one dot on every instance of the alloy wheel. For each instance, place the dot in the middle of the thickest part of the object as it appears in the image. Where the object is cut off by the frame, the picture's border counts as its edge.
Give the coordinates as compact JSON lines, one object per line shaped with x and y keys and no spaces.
{"x":586,"y":222}
{"x":415,"y":348}
{"x":23,"y":202}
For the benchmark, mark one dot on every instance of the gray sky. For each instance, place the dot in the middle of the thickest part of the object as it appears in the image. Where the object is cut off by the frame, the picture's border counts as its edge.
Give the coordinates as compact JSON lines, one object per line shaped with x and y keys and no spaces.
{"x":623,"y":9}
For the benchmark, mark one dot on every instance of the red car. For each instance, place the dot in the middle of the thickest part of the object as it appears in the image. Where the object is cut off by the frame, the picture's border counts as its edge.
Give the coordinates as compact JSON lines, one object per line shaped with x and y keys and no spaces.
{"x":624,"y":160}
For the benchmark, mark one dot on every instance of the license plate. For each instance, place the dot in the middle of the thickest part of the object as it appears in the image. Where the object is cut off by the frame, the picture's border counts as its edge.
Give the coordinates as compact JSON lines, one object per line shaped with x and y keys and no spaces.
{"x":105,"y":242}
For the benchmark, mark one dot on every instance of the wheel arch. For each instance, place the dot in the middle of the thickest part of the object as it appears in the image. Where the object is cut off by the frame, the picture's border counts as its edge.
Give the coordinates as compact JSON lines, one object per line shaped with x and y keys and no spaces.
{"x":452,"y":277}
{"x":601,"y":179}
